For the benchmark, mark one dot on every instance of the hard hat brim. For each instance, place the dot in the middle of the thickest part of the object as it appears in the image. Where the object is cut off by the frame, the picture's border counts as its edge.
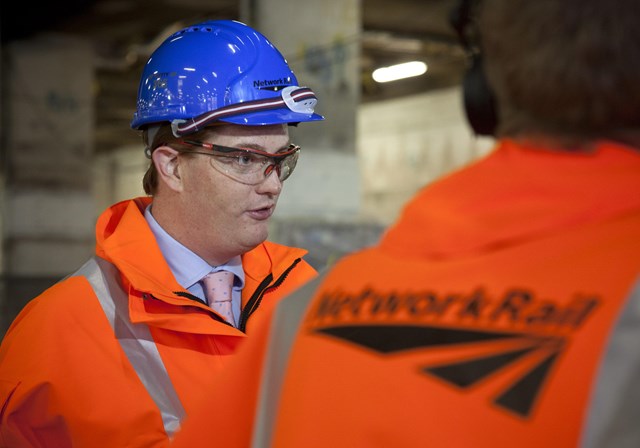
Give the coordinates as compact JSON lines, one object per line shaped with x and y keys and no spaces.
{"x":277,"y":116}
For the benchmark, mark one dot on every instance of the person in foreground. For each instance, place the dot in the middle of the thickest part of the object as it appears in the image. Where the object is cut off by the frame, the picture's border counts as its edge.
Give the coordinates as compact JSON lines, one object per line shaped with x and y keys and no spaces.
{"x":117,"y":353}
{"x":502,"y":309}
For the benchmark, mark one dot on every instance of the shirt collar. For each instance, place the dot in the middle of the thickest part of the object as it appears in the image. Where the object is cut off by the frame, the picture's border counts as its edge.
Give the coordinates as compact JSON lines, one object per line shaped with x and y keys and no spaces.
{"x":187,"y":267}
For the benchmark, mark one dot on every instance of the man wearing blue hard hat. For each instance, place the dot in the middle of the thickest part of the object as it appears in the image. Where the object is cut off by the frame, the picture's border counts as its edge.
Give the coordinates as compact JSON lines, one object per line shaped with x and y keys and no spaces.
{"x":117,"y":353}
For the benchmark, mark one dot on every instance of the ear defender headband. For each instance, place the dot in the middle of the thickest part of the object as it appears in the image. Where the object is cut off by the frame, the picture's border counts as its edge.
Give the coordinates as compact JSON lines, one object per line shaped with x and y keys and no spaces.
{"x":479,"y":102}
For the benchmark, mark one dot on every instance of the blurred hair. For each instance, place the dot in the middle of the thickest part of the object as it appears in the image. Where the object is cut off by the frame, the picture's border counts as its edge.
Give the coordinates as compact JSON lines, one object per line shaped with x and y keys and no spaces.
{"x":563,"y":68}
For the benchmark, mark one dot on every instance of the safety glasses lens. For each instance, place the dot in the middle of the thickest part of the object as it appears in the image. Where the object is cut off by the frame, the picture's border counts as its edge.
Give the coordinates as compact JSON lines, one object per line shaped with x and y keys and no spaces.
{"x":249,"y":166}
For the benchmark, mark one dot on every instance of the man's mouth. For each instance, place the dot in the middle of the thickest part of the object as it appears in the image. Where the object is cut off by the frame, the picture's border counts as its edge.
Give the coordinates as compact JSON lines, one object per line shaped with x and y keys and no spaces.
{"x":260,"y":214}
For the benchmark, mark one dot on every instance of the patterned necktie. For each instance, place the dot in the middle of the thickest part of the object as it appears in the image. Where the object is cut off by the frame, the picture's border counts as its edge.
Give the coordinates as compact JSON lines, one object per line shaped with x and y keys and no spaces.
{"x":217,"y":289}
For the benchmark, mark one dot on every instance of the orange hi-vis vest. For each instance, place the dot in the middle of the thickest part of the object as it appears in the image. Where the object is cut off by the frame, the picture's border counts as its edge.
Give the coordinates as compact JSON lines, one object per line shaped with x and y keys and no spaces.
{"x":502,"y":310}
{"x":116,"y":354}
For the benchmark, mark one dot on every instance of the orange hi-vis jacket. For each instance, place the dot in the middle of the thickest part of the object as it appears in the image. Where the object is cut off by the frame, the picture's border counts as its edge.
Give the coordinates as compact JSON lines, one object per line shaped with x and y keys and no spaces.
{"x":116,"y":354}
{"x":502,"y":310}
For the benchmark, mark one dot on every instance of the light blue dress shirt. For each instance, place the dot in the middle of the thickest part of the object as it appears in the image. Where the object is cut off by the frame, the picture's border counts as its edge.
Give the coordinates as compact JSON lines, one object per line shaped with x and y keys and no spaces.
{"x":188,"y":268}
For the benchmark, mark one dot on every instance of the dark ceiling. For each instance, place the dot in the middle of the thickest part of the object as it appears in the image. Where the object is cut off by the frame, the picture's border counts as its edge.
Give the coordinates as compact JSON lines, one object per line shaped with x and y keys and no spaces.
{"x":123,"y":32}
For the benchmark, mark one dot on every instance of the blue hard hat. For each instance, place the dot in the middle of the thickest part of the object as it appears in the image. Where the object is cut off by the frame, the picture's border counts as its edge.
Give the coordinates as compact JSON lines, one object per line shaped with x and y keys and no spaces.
{"x":220,"y":70}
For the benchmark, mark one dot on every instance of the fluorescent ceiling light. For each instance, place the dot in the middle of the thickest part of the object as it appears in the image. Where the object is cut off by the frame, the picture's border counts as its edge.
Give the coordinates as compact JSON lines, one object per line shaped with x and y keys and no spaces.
{"x":399,"y":71}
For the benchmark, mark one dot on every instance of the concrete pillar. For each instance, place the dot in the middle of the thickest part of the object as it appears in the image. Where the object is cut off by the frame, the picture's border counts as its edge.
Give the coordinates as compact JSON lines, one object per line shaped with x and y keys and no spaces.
{"x":321,"y":43}
{"x":321,"y":203}
{"x":48,"y":211}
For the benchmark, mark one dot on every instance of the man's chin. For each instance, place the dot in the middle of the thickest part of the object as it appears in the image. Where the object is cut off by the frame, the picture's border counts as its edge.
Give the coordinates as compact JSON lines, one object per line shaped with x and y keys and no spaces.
{"x":255,"y":240}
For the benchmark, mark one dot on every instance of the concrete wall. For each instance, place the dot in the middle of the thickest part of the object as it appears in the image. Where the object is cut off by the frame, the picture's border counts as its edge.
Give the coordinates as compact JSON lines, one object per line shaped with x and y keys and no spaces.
{"x":117,"y":175}
{"x":403,"y":144}
{"x":47,"y":200}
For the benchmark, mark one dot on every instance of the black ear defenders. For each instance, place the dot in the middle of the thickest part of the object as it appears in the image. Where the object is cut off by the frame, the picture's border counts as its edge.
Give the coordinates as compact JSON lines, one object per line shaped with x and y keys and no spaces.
{"x":479,"y":102}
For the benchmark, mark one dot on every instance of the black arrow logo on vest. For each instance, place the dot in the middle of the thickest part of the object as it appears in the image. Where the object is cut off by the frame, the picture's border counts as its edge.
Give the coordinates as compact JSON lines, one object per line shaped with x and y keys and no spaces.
{"x":518,"y":398}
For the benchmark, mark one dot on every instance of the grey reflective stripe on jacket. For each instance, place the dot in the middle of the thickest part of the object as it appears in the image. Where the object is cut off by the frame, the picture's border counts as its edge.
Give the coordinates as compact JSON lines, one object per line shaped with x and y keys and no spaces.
{"x":284,"y":327}
{"x":614,"y":414}
{"x":135,"y":340}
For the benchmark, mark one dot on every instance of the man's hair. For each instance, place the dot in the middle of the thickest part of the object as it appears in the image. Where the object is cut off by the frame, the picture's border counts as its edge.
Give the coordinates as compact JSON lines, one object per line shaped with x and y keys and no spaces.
{"x":563,"y":68}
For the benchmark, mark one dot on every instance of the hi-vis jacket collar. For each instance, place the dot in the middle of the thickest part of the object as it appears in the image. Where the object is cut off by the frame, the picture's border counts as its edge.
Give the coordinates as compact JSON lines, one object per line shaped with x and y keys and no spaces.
{"x":297,"y":99}
{"x":557,"y":190}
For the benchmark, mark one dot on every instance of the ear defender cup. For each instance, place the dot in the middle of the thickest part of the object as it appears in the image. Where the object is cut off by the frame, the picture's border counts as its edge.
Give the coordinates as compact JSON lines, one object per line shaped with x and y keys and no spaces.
{"x":479,"y":102}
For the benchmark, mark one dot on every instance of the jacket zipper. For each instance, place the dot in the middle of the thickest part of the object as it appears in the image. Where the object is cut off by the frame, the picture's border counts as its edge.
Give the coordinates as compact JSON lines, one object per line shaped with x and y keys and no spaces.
{"x":254,"y":301}
{"x":256,"y":297}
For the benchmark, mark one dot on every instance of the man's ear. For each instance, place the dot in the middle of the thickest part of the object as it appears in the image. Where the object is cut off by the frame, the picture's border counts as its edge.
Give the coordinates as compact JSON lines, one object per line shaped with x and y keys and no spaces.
{"x":167,"y":162}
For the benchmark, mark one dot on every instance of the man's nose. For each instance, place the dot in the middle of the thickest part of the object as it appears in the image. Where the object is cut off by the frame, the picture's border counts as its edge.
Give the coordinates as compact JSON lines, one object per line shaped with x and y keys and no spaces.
{"x":272,"y":183}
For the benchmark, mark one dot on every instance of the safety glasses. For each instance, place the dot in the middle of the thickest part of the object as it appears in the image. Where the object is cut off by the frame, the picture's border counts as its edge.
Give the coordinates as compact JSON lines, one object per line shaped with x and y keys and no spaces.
{"x":248,"y":166}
